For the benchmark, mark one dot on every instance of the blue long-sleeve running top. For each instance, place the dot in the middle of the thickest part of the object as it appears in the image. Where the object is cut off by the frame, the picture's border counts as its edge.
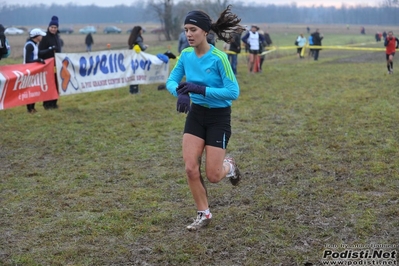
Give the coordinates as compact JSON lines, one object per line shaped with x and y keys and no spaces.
{"x":212,"y":70}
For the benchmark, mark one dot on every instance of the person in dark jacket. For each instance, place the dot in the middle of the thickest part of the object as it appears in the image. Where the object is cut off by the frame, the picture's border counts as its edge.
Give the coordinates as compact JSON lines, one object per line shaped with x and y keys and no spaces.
{"x":235,"y":48}
{"x":3,"y":49}
{"x":52,"y":43}
{"x":136,"y":38}
{"x":89,"y":42}
{"x":316,"y":38}
{"x":262,"y":47}
{"x":183,"y":42}
{"x":210,"y":38}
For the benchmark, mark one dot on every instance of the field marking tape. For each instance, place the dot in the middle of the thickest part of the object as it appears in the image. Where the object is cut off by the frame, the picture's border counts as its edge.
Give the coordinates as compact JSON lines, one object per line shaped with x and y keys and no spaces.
{"x":338,"y":47}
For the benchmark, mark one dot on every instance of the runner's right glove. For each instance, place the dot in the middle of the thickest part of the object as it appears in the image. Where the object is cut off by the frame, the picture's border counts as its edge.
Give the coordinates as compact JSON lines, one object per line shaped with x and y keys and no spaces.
{"x":183,"y":103}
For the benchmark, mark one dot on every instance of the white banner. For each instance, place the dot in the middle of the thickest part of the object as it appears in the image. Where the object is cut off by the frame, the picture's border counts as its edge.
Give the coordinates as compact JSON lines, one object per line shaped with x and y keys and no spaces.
{"x":94,"y":71}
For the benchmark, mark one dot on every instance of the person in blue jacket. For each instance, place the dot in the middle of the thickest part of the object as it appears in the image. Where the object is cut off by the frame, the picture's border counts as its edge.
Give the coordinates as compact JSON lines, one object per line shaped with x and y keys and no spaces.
{"x":211,"y":86}
{"x":310,"y":41}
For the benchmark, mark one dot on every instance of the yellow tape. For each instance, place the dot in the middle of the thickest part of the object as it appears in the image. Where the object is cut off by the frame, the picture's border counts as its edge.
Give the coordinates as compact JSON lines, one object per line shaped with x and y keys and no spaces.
{"x":338,"y":47}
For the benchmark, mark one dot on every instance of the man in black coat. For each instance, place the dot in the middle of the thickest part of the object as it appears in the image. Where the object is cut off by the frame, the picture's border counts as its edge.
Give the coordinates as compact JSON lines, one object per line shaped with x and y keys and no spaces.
{"x":235,"y":48}
{"x":89,"y":42}
{"x":52,"y":43}
{"x":317,"y":37}
{"x":3,"y":47}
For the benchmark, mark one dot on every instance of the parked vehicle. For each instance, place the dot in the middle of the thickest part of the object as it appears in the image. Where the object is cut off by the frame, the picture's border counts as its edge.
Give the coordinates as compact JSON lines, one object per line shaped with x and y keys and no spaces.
{"x":67,"y":30}
{"x":130,"y":30}
{"x":112,"y":29}
{"x":88,"y":29}
{"x":158,"y":30}
{"x":13,"y":31}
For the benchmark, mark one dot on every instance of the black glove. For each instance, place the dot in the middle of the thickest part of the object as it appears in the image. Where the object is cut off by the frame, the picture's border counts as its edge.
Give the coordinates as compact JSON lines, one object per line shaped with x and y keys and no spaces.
{"x":183,"y":103}
{"x":39,"y":60}
{"x":186,"y":87}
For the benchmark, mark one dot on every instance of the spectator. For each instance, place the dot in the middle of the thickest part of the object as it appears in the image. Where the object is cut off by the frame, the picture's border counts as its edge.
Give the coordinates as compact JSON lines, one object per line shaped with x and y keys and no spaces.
{"x":226,"y":47}
{"x":61,"y":43}
{"x":362,"y":30}
{"x":267,"y":42}
{"x":136,"y":38}
{"x":301,"y":43}
{"x":308,"y":29}
{"x":51,"y":44}
{"x":384,"y":35}
{"x":183,"y":42}
{"x":310,"y":41}
{"x":89,"y":42}
{"x":246,"y":46}
{"x":377,"y":37}
{"x":234,"y":50}
{"x":253,"y":39}
{"x":316,"y":38}
{"x":31,"y":54}
{"x":210,"y":38}
{"x":3,"y":49}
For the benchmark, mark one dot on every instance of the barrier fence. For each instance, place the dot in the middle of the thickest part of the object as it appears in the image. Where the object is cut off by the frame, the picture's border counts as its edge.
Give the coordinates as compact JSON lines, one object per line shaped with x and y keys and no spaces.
{"x":22,"y":84}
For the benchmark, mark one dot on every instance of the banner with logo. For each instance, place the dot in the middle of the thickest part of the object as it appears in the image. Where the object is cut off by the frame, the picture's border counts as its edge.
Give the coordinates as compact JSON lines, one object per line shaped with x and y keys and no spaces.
{"x":27,"y":83}
{"x":94,"y":71}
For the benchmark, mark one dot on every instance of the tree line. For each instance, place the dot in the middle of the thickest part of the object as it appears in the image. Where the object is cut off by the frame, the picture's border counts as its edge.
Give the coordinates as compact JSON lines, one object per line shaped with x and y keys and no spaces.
{"x":172,"y":13}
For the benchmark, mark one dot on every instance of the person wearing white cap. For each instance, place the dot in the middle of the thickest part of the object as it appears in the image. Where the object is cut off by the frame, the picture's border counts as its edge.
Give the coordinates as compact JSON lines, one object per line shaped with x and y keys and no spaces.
{"x":31,"y":55}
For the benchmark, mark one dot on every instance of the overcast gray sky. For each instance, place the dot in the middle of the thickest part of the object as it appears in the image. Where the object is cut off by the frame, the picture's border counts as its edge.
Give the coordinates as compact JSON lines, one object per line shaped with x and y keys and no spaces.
{"x":336,"y":3}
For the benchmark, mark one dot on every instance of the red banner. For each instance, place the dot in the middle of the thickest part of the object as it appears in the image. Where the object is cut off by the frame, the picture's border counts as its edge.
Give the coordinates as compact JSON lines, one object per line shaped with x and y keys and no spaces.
{"x":27,"y":83}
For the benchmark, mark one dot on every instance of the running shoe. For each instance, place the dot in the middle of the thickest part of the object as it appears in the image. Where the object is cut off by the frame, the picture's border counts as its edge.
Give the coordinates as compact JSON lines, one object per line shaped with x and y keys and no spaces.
{"x":235,"y":176}
{"x":201,"y":221}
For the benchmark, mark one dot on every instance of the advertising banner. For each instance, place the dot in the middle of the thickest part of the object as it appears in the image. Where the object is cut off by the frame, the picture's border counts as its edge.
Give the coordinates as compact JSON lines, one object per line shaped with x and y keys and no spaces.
{"x":27,"y":83}
{"x":94,"y":71}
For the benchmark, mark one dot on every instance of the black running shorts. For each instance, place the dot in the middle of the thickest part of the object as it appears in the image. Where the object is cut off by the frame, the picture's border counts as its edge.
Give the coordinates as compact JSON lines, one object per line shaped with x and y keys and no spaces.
{"x":210,"y":124}
{"x":388,"y":55}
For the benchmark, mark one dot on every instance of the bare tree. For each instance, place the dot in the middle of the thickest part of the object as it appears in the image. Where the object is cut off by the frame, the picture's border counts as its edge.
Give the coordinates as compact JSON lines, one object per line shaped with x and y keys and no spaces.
{"x":213,"y":7}
{"x":171,"y":16}
{"x":163,"y":9}
{"x":390,"y":3}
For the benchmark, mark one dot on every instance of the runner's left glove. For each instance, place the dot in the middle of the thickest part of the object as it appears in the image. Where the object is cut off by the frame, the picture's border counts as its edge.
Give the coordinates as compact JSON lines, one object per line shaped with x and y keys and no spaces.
{"x":186,"y":87}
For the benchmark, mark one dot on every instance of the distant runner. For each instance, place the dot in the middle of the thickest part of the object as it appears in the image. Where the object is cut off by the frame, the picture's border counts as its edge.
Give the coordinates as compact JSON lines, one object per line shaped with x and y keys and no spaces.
{"x":391,"y":44}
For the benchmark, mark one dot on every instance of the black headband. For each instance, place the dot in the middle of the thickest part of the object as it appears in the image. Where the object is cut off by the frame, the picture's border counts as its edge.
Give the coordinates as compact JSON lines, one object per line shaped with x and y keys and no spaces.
{"x":198,"y":19}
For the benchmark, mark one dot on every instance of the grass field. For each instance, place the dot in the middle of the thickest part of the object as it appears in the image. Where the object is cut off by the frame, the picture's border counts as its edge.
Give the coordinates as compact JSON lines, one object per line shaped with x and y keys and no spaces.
{"x":101,"y":180}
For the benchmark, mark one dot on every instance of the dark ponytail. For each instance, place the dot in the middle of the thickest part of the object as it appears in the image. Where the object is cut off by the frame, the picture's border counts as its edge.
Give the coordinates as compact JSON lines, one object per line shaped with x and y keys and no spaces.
{"x":227,"y":25}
